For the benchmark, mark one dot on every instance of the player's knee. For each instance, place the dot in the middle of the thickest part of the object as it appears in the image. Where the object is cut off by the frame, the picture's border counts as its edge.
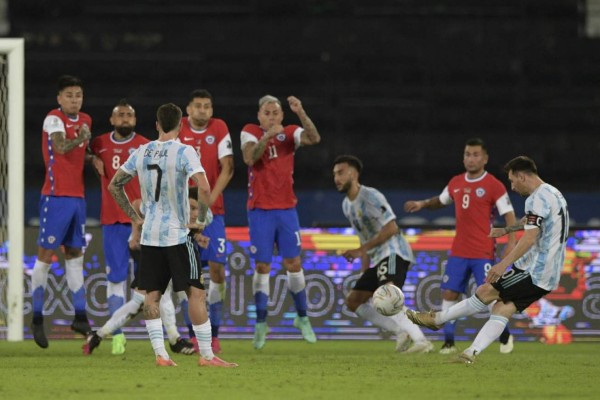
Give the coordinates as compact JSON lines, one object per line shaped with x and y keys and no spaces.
{"x":450,"y":295}
{"x":292,"y":264}
{"x":486,"y":293}
{"x":263,"y":268}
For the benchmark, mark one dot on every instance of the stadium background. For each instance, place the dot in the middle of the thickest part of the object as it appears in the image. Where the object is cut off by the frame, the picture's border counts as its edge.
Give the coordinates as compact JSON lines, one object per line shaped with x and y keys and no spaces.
{"x":402,"y":84}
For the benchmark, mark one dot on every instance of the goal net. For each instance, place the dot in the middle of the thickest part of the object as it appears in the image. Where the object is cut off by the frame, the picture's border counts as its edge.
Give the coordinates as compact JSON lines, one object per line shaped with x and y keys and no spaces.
{"x":12,"y":137}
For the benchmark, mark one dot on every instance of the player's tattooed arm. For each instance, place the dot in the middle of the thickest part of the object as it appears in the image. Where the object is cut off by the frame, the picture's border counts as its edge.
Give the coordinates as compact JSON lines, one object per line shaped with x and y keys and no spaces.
{"x":497,"y":232}
{"x":116,"y":187}
{"x":63,"y":145}
{"x":310,"y":135}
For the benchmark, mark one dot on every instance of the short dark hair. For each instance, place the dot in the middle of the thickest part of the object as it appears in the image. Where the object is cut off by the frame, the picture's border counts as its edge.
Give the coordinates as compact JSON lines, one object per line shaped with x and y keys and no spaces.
{"x":66,"y":81}
{"x":193,"y":192}
{"x":476,"y":142}
{"x":521,"y":164}
{"x":200,"y":93}
{"x":168,"y":116}
{"x":351,"y":160}
{"x":123,"y":103}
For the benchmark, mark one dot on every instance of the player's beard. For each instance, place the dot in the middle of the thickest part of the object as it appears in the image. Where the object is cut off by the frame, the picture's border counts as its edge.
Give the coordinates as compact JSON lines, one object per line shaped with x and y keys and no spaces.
{"x":125,"y":130}
{"x":345,"y":187}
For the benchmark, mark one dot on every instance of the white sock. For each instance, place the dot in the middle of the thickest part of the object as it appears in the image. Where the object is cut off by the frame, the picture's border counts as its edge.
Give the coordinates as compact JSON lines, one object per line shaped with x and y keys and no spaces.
{"x":366,"y":311}
{"x":446,"y":304}
{"x":74,"y":273}
{"x":181,"y":296}
{"x":406,"y":325}
{"x":39,"y":277}
{"x":296,"y":281}
{"x":123,"y":315}
{"x":167,"y":313}
{"x":488,"y":334}
{"x":155,"y":331}
{"x":204,"y":337}
{"x":469,"y":306}
{"x":216,"y":292}
{"x":260,"y":283}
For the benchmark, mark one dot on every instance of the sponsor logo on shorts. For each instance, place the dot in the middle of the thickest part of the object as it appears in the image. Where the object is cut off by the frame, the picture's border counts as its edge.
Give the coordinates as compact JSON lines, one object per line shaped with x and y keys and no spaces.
{"x":253,"y":249}
{"x":51,"y":239}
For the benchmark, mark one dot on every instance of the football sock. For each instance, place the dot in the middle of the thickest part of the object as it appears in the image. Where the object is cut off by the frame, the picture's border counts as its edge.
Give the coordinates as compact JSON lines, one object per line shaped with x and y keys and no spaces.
{"x":122,"y":315}
{"x":490,"y":332}
{"x":39,"y":280}
{"x":366,"y":311}
{"x":505,"y":335}
{"x":115,"y":293}
{"x":261,"y":289}
{"x":74,"y":273}
{"x":469,"y":306}
{"x":167,"y":313}
{"x":406,"y":325}
{"x":450,"y":326}
{"x":297,"y":287}
{"x":215,"y":300}
{"x":155,"y":331}
{"x":203,"y":335}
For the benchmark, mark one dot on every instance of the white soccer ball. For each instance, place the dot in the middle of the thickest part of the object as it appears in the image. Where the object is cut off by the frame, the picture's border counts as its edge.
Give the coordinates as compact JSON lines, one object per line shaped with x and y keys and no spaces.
{"x":388,"y":300}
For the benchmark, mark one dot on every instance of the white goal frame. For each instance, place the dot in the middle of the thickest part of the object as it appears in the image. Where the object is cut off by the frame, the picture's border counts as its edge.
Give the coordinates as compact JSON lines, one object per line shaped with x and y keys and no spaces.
{"x":14,"y":49}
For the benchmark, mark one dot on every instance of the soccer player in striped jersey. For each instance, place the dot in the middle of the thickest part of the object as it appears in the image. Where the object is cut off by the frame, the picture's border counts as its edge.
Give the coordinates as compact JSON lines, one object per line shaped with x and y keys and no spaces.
{"x":164,"y":167}
{"x":66,"y":131}
{"x":111,"y":150}
{"x":384,"y":253}
{"x":268,"y":150}
{"x":538,"y":259}
{"x":475,"y":194}
{"x":211,"y":139}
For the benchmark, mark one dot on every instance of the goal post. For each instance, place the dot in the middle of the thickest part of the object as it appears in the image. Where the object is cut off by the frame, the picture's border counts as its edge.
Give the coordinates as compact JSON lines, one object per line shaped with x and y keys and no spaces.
{"x":12,"y":53}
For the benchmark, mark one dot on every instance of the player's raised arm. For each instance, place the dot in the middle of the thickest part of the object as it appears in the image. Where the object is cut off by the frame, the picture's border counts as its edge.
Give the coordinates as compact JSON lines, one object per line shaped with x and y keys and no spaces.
{"x":310,"y":135}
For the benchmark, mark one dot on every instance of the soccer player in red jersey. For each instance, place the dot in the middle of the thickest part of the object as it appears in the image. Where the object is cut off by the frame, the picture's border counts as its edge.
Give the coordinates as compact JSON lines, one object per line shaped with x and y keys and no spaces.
{"x":211,"y":139}
{"x":268,"y":150}
{"x":475,"y":194}
{"x":65,"y":134}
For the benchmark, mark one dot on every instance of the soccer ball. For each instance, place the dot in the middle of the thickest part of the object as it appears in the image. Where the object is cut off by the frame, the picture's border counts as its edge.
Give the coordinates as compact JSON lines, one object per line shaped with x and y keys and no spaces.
{"x":388,"y":300}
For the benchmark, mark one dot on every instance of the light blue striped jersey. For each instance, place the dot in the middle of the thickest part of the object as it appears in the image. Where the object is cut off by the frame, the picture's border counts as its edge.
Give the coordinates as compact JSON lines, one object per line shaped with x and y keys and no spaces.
{"x":164,"y":169}
{"x":368,"y":213}
{"x":546,"y":209}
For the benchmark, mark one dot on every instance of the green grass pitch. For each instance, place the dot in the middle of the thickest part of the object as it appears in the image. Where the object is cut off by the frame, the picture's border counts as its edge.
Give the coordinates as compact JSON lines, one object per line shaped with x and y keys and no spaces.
{"x":296,"y":370}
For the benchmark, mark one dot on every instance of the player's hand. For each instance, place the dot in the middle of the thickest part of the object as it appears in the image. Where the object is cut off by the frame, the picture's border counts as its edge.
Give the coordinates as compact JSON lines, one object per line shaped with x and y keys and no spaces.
{"x":295,"y":104}
{"x":353,"y":254}
{"x":134,"y":243}
{"x":273,"y":131}
{"x":85,"y":133}
{"x":412,"y":206}
{"x":98,"y":165}
{"x":201,"y":240}
{"x":497,"y":232}
{"x":495,"y":273}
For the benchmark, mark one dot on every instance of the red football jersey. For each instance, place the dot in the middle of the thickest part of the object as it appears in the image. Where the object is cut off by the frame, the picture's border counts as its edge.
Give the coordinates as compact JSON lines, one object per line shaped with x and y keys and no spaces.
{"x":474,"y":202}
{"x":271,"y":179}
{"x":212,"y":144}
{"x":114,"y":153}
{"x":64,"y":172}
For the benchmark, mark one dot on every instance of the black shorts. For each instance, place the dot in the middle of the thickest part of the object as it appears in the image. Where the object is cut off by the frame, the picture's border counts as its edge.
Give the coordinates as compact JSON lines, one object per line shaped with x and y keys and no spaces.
{"x":161,"y":264}
{"x":136,"y":255}
{"x":517,"y":287}
{"x":391,"y":269}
